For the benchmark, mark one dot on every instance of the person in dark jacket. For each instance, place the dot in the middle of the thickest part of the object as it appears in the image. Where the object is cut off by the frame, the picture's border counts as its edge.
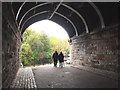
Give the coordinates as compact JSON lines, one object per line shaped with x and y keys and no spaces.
{"x":61,"y":59}
{"x":55,"y":58}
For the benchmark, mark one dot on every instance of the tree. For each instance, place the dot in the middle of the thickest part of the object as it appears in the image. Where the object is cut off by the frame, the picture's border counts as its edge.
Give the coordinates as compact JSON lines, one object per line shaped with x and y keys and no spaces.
{"x":59,"y":45}
{"x":38,"y":48}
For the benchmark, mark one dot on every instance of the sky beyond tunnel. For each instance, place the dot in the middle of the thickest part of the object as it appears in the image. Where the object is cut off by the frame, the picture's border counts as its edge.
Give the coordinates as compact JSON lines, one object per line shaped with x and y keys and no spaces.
{"x":50,"y":28}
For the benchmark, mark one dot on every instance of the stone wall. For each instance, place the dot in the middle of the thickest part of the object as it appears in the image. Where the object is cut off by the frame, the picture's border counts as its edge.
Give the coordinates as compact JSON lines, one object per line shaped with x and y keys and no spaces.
{"x":10,"y":46}
{"x":98,"y":49}
{"x":0,"y":45}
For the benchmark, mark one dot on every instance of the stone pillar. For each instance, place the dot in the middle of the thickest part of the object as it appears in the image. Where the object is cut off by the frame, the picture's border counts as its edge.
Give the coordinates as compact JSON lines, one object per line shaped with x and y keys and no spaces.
{"x":0,"y":45}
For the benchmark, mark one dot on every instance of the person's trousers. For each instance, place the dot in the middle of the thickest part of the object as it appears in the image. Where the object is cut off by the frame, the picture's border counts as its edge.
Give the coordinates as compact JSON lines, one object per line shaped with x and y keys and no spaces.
{"x":61,"y":64}
{"x":55,"y":63}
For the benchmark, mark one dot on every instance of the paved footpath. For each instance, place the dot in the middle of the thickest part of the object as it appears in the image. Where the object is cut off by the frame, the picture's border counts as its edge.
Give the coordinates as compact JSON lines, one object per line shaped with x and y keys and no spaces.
{"x":104,"y":73}
{"x":24,"y":79}
{"x":47,"y":76}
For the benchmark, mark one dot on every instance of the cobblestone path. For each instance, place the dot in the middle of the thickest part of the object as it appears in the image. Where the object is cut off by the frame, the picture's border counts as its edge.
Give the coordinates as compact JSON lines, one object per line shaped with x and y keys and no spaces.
{"x":24,"y":79}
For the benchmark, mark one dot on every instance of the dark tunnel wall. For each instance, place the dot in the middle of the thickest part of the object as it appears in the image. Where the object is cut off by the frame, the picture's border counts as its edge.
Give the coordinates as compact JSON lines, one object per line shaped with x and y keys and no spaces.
{"x":10,"y":46}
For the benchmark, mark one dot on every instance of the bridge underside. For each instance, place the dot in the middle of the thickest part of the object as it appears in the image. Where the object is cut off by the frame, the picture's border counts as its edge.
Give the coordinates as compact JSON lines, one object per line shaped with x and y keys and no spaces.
{"x":75,"y":17}
{"x":92,"y":27}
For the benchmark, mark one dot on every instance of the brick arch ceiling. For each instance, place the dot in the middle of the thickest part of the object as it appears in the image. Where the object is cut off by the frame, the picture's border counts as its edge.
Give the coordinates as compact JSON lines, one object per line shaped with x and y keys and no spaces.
{"x":75,"y":17}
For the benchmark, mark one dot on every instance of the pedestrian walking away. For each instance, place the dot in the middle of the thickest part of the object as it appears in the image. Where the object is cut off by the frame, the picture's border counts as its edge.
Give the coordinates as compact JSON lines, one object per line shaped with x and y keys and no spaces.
{"x":55,"y":58}
{"x":61,"y":60}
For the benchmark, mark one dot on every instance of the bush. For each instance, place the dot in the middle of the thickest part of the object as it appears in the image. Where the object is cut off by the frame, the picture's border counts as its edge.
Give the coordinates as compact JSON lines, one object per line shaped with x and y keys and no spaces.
{"x":25,"y":62}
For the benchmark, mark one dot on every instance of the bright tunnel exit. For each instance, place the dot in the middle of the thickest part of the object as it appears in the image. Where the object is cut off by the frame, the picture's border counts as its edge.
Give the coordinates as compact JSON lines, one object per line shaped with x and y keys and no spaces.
{"x":41,"y":40}
{"x":50,"y":28}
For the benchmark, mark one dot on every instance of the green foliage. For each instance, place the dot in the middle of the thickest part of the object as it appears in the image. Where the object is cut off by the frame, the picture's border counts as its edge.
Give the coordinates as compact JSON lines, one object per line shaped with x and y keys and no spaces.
{"x":38,"y":48}
{"x":25,"y":62}
{"x":59,"y":45}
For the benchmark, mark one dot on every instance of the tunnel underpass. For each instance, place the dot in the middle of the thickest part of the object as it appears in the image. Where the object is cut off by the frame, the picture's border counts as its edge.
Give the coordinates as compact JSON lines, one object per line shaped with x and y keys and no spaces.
{"x":92,"y":28}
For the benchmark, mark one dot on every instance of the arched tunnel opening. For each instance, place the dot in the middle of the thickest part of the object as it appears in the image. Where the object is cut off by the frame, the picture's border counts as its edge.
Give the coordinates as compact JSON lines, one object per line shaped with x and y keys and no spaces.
{"x":92,"y":28}
{"x":40,"y":40}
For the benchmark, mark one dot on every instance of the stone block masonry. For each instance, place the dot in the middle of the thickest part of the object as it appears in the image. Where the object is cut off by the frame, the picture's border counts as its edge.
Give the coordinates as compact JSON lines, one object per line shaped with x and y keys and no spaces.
{"x":98,"y":49}
{"x":10,"y":46}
